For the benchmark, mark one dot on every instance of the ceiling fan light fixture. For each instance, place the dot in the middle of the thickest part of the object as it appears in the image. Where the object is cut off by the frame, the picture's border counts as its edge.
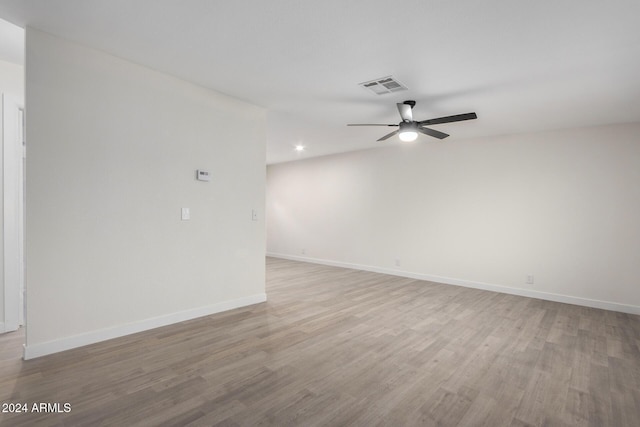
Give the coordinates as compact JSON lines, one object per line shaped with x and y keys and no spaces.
{"x":408,"y":136}
{"x":408,"y":132}
{"x":408,"y":128}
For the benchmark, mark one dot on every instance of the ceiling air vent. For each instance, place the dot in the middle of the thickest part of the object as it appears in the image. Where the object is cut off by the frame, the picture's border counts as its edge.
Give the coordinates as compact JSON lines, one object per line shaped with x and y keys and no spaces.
{"x":383,"y":85}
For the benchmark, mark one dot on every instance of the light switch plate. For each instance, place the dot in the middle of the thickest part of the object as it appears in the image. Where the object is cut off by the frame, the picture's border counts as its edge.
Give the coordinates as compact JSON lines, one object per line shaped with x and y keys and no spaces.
{"x":186,"y":214}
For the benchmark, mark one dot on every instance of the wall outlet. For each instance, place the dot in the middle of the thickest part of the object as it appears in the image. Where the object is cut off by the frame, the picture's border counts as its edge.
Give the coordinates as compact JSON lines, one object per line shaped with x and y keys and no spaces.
{"x":397,"y":262}
{"x":254,"y":215}
{"x":529,"y":279}
{"x":303,"y":251}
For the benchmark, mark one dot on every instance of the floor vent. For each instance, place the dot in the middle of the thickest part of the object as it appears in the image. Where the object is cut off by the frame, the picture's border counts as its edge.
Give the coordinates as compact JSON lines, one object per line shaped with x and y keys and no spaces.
{"x":383,"y":85}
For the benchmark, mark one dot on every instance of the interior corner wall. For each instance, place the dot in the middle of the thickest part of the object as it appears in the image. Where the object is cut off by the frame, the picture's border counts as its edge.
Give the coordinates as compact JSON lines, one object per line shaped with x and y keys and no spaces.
{"x":561,"y":206}
{"x":112,"y":154}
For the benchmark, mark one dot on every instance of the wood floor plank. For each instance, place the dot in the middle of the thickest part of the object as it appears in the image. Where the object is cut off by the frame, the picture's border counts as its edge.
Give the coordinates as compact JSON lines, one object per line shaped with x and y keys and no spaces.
{"x":340,"y":347}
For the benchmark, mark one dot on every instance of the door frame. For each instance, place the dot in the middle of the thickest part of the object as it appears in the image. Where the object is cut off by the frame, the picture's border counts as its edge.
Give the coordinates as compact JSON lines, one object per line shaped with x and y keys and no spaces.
{"x":13,"y":212}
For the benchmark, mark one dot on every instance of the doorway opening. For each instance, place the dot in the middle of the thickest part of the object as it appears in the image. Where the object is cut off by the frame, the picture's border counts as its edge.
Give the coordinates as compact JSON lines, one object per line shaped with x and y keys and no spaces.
{"x":12,"y":181}
{"x":13,"y":185}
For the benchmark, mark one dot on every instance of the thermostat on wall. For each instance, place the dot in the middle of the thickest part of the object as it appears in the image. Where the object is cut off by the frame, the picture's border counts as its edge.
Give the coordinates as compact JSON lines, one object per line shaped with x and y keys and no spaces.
{"x":203,"y":175}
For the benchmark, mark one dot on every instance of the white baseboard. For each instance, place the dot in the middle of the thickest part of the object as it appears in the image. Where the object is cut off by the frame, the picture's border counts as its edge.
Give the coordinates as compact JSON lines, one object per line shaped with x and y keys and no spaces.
{"x":67,"y":343}
{"x":8,"y":327}
{"x":567,"y":299}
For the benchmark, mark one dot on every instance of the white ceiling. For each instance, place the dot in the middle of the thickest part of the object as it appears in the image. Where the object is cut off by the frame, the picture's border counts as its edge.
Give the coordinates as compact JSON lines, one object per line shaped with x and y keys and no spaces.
{"x":520,"y":65}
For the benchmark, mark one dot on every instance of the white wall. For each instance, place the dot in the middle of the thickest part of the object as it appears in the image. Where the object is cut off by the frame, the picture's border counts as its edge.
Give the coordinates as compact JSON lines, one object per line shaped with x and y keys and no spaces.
{"x":11,"y":85}
{"x":562,"y":206}
{"x":12,"y":79}
{"x":112,"y":152}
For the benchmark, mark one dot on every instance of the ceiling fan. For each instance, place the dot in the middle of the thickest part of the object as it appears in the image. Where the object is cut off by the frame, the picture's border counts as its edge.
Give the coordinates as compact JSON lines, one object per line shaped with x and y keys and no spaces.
{"x":408,"y":128}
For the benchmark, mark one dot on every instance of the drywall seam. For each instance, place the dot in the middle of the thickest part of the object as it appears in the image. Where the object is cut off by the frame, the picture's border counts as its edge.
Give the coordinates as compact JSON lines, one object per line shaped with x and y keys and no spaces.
{"x":567,"y":299}
{"x":67,"y":343}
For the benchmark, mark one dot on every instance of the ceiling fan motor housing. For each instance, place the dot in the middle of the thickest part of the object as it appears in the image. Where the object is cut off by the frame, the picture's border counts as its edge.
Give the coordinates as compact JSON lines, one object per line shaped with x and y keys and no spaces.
{"x":408,"y":127}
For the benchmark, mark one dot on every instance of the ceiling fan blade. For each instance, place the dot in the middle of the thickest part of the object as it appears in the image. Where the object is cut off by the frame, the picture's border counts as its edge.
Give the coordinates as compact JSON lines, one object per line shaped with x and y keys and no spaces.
{"x":405,"y":112}
{"x":389,"y":135}
{"x":369,"y":124}
{"x":449,"y":119}
{"x":433,"y":133}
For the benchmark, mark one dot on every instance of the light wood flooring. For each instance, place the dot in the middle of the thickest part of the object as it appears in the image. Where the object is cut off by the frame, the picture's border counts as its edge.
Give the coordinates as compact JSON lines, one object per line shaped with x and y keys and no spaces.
{"x":339,"y":347}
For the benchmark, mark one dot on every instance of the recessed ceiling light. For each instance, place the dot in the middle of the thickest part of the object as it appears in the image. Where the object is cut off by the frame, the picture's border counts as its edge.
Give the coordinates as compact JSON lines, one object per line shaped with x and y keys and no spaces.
{"x":299,"y":147}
